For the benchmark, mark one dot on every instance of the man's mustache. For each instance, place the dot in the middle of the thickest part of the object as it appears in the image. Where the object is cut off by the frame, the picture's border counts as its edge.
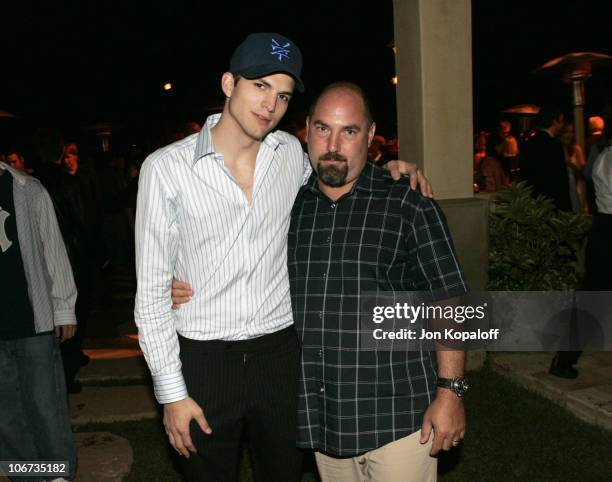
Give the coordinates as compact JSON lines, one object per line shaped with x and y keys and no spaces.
{"x":332,"y":156}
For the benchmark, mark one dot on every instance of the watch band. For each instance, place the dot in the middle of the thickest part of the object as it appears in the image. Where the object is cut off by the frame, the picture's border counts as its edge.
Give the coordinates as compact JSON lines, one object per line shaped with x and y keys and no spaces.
{"x":445,"y":383}
{"x":459,"y":385}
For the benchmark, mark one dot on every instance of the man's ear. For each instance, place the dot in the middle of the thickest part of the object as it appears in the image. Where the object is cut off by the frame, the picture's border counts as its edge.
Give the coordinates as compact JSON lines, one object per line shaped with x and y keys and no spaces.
{"x":227,"y":84}
{"x":307,"y":124}
{"x":371,"y":133}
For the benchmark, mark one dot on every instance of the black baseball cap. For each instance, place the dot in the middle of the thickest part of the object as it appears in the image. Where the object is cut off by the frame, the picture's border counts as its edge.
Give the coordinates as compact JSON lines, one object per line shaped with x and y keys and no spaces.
{"x":263,"y":54}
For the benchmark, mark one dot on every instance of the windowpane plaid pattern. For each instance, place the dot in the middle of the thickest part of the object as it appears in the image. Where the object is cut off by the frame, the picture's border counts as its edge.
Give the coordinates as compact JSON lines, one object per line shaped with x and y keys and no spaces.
{"x":382,"y":236}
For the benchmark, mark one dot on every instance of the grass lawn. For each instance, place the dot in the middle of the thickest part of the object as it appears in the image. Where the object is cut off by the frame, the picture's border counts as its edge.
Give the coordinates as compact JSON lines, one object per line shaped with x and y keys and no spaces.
{"x":513,"y":435}
{"x":516,"y":435}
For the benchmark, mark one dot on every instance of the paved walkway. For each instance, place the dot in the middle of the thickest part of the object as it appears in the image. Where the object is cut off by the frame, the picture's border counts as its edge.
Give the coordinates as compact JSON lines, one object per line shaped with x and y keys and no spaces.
{"x":588,"y":397}
{"x":103,"y":456}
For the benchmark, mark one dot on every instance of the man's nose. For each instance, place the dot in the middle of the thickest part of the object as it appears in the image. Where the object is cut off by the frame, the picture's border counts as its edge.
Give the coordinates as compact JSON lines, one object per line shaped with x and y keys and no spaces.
{"x":333,"y":142}
{"x":269,"y":102}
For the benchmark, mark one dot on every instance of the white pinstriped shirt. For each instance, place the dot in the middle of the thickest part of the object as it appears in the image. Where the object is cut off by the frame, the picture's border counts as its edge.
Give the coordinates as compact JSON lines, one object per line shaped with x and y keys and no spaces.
{"x":194,"y":222}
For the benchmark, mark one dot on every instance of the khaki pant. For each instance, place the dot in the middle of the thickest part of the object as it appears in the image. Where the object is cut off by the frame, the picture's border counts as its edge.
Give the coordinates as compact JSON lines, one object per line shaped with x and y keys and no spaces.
{"x":404,"y":460}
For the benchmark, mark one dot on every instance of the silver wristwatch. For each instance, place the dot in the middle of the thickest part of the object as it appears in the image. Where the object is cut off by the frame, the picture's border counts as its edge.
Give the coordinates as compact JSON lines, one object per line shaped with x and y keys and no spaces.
{"x":459,"y":385}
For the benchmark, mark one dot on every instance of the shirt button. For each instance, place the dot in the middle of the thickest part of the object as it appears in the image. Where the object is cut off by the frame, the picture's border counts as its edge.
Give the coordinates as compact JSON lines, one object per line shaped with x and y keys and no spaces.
{"x":333,"y":206}
{"x":328,"y":239}
{"x":320,"y":353}
{"x":322,"y":389}
{"x":324,"y":275}
{"x":320,"y":314}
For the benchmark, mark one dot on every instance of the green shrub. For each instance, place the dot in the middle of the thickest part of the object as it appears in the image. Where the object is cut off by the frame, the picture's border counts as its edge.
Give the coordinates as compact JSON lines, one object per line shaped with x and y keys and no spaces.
{"x":532,"y":245}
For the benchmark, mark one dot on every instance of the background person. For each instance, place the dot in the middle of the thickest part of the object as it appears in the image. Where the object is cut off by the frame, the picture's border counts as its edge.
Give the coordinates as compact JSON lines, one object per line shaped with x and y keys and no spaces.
{"x":38,"y":296}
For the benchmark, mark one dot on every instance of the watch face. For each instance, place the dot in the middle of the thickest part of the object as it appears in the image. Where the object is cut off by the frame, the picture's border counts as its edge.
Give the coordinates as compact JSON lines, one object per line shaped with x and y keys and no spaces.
{"x":460,"y":386}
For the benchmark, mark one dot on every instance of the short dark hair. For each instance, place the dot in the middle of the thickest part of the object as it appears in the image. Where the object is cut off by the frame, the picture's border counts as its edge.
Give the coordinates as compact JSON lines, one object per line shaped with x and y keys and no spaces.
{"x":237,"y":77}
{"x":12,"y":149}
{"x":547,"y":115}
{"x":346,"y":86}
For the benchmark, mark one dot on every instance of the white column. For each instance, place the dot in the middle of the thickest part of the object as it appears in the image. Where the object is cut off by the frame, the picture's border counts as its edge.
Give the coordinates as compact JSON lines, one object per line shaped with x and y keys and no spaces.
{"x":433,"y":40}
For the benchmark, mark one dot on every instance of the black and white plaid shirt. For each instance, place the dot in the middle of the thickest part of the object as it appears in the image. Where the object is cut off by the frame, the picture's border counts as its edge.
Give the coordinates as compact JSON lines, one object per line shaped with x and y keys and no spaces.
{"x":382,"y":236}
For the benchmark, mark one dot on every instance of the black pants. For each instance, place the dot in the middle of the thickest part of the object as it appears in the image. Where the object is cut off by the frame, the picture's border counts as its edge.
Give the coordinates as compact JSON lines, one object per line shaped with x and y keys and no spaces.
{"x":72,"y":349}
{"x":598,"y":276}
{"x":249,"y":386}
{"x":599,"y":254}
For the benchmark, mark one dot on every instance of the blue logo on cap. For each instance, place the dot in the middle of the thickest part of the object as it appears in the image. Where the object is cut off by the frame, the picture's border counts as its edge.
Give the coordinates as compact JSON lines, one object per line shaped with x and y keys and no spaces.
{"x":282,"y":51}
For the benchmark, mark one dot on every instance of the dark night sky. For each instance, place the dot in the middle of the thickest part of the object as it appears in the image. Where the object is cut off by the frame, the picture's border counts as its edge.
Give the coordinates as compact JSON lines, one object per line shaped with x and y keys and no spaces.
{"x":512,"y":38}
{"x":74,"y":63}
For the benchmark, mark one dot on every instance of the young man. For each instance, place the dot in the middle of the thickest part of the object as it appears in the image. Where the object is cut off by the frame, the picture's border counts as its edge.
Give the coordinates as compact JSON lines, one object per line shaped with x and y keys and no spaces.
{"x":214,"y":210}
{"x":37,"y":296}
{"x":369,"y":414}
{"x":15,"y":159}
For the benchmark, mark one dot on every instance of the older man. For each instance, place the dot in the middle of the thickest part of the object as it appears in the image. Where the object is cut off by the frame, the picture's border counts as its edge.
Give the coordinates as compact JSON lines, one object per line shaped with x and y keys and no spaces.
{"x":369,"y":414}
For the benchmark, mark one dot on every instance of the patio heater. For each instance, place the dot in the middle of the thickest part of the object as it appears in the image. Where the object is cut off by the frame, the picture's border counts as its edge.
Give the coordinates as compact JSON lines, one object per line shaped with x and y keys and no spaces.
{"x":574,"y":69}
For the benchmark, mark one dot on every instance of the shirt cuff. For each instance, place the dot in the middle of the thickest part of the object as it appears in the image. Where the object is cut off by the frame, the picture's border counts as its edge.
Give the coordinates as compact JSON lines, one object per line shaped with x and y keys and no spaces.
{"x":170,"y":388}
{"x":64,"y":317}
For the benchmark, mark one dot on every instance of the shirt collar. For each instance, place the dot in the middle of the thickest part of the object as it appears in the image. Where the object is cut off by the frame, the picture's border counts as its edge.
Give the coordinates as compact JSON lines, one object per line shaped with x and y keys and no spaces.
{"x":373,"y":178}
{"x":205,"y":147}
{"x":204,"y":144}
{"x":548,"y":132}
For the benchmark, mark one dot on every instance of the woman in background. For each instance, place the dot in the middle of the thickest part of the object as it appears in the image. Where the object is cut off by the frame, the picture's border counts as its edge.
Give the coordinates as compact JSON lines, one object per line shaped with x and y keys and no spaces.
{"x":491,"y":169}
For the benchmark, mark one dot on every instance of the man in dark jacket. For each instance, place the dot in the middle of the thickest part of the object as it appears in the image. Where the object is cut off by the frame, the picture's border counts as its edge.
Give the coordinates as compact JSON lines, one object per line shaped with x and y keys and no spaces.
{"x":543,"y":163}
{"x":543,"y":166}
